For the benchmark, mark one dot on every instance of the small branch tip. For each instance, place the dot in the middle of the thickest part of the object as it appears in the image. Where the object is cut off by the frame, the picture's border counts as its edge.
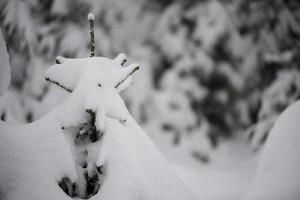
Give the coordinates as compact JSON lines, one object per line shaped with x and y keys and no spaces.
{"x":91,"y":17}
{"x":60,"y":60}
{"x":121,"y":59}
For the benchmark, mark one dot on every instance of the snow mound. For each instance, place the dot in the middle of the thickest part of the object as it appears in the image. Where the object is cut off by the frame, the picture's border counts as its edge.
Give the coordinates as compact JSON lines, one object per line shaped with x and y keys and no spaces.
{"x":33,"y":158}
{"x":277,"y":176}
{"x":135,"y":169}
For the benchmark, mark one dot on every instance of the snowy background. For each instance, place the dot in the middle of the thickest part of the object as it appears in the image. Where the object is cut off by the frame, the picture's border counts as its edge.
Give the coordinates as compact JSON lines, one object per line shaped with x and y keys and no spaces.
{"x":214,"y":75}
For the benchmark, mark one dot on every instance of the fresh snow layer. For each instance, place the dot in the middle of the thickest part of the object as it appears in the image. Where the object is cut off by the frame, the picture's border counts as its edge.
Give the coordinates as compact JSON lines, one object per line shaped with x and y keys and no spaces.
{"x":218,"y":182}
{"x":4,"y":66}
{"x":135,"y":169}
{"x":277,"y":175}
{"x":34,"y":157}
{"x":93,"y":81}
{"x":108,"y":72}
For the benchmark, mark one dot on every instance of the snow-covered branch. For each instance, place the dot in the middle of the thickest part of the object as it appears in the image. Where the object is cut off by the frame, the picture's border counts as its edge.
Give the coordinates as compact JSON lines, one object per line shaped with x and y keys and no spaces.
{"x":134,"y":67}
{"x":58,"y":84}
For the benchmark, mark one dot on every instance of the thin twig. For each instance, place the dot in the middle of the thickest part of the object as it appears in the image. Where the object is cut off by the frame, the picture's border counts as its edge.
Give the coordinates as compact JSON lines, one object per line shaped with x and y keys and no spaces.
{"x":119,"y":83}
{"x":91,"y":19}
{"x":57,"y":83}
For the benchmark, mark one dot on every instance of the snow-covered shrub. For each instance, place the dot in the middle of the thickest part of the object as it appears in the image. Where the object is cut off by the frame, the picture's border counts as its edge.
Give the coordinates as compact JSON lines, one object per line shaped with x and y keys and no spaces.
{"x":94,"y":84}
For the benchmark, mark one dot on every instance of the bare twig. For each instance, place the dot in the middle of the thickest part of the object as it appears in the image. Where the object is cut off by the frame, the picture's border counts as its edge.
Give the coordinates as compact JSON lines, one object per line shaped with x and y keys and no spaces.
{"x":121,"y":58}
{"x":91,"y":19}
{"x":119,"y":83}
{"x":58,"y":84}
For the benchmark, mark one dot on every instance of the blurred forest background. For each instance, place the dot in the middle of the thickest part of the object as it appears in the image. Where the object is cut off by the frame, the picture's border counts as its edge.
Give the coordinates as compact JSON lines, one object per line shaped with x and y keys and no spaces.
{"x":212,"y":72}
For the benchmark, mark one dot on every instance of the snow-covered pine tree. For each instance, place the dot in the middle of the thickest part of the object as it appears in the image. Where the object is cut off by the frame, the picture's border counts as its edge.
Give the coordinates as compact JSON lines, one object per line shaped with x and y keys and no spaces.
{"x":94,"y":84}
{"x":90,"y":127}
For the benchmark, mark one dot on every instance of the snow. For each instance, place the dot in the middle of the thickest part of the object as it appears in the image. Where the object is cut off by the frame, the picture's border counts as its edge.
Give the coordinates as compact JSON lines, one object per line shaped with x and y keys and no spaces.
{"x":133,"y":168}
{"x":75,"y":68}
{"x":217,"y":182}
{"x":94,"y":78}
{"x":183,"y":36}
{"x":225,"y":176}
{"x":277,"y":173}
{"x":33,"y":159}
{"x":4,"y":66}
{"x":91,"y":17}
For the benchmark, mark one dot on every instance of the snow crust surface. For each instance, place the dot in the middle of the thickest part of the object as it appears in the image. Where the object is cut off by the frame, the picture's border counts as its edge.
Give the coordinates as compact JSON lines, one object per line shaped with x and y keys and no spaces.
{"x":277,"y":174}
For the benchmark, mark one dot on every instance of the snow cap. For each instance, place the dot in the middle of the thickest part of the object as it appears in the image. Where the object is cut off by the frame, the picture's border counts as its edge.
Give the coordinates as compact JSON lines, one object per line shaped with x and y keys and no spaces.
{"x":69,"y":71}
{"x":60,"y":59}
{"x":66,"y":74}
{"x":126,"y":72}
{"x":91,"y":17}
{"x":121,"y":59}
